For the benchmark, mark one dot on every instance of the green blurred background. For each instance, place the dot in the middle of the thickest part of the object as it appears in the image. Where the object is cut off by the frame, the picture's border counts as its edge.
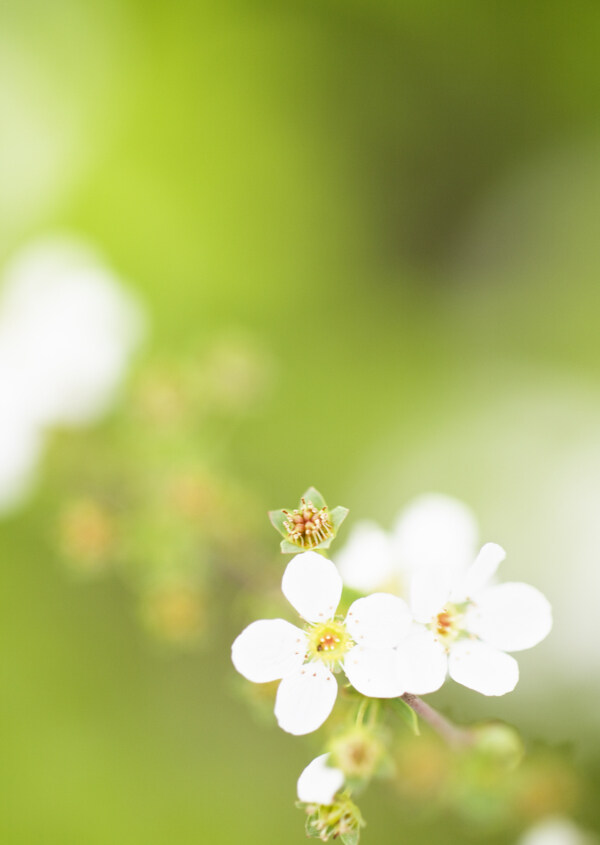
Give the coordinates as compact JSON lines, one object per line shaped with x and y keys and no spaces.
{"x":399,"y":203}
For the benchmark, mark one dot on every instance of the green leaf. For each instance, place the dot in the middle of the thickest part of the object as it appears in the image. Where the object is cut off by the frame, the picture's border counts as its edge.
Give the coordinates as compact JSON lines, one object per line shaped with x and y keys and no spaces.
{"x":315,"y":497}
{"x":338,"y":515}
{"x":277,"y":519}
{"x":351,"y":838}
{"x":407,"y":714}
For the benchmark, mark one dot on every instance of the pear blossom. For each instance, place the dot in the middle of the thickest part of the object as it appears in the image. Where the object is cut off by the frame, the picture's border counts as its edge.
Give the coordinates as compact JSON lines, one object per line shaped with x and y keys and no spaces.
{"x":433,"y":531}
{"x":67,"y":333}
{"x":69,"y":328}
{"x":319,"y":782}
{"x":374,"y":645}
{"x":473,"y":623}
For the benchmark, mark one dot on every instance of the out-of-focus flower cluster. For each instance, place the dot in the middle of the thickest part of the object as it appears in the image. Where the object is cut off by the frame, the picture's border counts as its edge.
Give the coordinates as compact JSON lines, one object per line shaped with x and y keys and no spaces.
{"x":150,"y":498}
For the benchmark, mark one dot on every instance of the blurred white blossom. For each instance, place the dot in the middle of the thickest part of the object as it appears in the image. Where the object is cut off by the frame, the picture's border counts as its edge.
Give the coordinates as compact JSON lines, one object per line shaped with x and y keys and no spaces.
{"x":432,"y":531}
{"x":557,"y":831}
{"x":68,"y":330}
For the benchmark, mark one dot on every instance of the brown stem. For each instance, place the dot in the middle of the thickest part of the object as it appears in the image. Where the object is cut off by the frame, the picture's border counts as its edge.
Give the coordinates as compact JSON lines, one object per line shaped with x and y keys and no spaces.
{"x":455,"y":736}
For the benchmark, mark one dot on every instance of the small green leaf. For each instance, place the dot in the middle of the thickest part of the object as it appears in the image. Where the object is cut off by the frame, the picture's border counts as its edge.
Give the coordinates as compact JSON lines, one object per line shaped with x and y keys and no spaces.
{"x":338,"y":515}
{"x":407,"y":714}
{"x":277,"y":519}
{"x":351,"y":838}
{"x":313,"y":495}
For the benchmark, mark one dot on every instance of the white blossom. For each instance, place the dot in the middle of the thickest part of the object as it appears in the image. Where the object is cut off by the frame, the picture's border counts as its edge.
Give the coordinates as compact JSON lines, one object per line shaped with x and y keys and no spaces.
{"x":365,"y":645}
{"x":473,"y":623}
{"x":319,"y":782}
{"x":433,"y":531}
{"x":67,"y":333}
{"x":557,"y":831}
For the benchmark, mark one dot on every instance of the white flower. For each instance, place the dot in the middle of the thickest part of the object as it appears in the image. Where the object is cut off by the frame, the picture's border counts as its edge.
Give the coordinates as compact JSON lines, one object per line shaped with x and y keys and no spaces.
{"x":67,"y":333}
{"x":365,"y":645}
{"x":432,"y":531}
{"x":475,"y":624}
{"x":70,"y":329}
{"x":557,"y":831}
{"x":319,"y":782}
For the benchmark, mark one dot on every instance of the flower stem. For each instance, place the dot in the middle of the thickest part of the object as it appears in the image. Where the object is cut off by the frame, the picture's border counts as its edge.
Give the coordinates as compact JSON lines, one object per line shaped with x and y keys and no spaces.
{"x":361,"y":711}
{"x":454,"y":735}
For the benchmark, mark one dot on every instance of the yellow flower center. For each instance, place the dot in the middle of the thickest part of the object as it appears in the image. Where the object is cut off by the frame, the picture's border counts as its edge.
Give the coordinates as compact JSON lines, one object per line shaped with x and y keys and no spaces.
{"x":329,"y":641}
{"x":447,"y":625}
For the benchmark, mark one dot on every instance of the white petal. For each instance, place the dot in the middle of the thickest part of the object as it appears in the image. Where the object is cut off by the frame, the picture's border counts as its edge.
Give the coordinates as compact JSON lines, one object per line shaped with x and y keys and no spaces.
{"x":372,"y":671}
{"x":421,"y":662}
{"x":366,"y":563}
{"x":511,"y":616}
{"x":429,"y":592}
{"x":557,"y":830}
{"x":305,"y":699}
{"x":313,"y":586}
{"x":268,"y":650}
{"x":319,"y":782}
{"x":483,"y":668}
{"x":480,"y":572}
{"x":436,"y":531}
{"x":378,"y":621}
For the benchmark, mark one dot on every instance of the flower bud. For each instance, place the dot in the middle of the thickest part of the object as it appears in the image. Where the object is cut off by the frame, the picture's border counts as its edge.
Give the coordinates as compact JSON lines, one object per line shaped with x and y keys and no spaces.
{"x":358,"y":753}
{"x":500,"y":744}
{"x":174,"y":613}
{"x":87,"y":535}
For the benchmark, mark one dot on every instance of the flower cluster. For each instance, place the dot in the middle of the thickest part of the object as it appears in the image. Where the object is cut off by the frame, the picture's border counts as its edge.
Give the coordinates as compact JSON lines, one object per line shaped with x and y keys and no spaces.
{"x":146,"y":498}
{"x":433,"y":609}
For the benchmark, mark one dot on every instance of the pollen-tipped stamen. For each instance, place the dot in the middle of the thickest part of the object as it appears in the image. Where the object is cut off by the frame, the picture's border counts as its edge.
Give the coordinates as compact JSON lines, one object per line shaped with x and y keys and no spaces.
{"x":308,"y":526}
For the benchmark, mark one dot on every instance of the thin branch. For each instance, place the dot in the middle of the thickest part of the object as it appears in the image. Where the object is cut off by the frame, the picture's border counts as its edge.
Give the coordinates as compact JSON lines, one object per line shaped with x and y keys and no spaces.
{"x":454,"y":735}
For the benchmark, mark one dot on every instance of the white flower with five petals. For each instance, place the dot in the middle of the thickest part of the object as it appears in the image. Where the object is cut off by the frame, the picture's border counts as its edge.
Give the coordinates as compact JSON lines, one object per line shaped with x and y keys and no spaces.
{"x":473,"y":623}
{"x":373,"y":645}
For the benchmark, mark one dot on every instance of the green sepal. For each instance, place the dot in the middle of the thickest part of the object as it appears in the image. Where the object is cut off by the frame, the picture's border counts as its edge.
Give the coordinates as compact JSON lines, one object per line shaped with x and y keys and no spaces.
{"x":313,"y":495}
{"x":277,"y":519}
{"x":351,"y":838}
{"x":407,"y":714}
{"x":337,"y":516}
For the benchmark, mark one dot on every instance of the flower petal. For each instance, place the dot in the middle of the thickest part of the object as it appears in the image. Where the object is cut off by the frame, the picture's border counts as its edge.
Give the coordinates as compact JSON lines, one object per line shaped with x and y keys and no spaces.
{"x":429,"y":592}
{"x":421,"y":662}
{"x":378,"y":621}
{"x":480,"y":572}
{"x":372,"y":671}
{"x":436,"y":531}
{"x":268,"y":650}
{"x":313,"y":586}
{"x":319,"y":782}
{"x":365,"y":563}
{"x":511,"y":616}
{"x":483,"y":668}
{"x":305,"y":699}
